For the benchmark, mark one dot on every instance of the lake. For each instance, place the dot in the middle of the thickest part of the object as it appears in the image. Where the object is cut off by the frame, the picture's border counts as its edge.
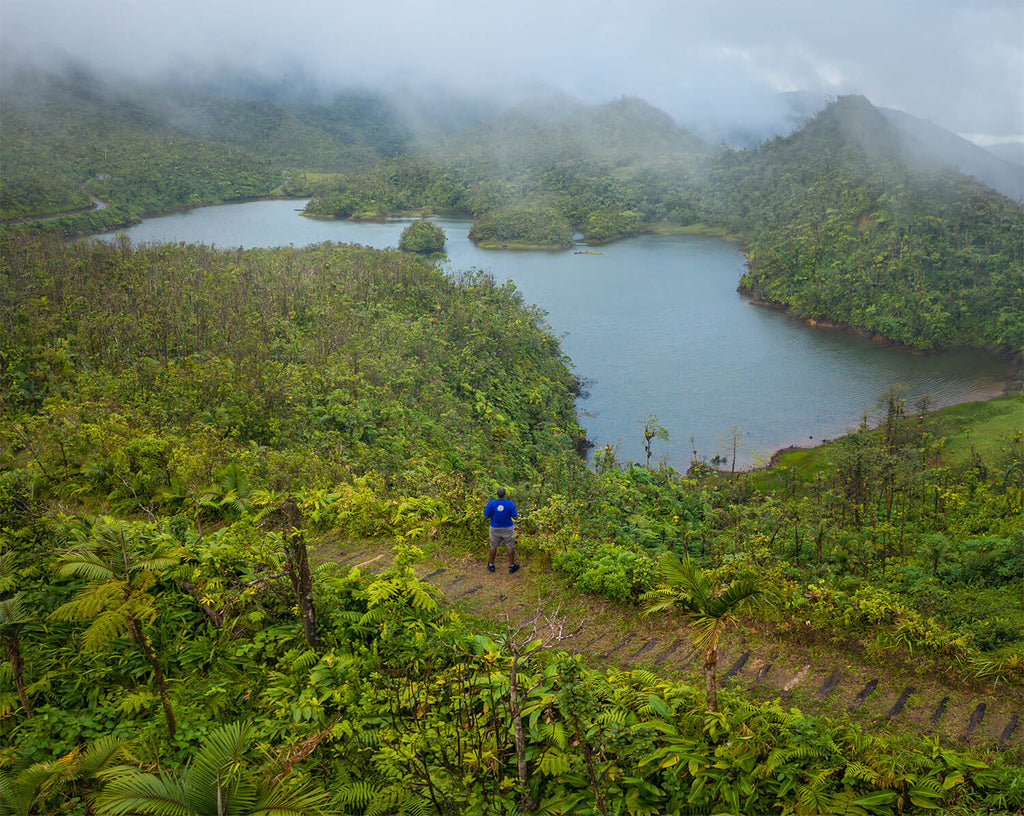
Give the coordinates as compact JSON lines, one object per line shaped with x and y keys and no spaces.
{"x":654,"y":325}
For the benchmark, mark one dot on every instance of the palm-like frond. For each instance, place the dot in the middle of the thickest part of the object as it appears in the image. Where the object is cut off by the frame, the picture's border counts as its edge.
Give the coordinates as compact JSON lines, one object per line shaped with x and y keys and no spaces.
{"x":218,"y":781}
{"x":14,"y":613}
{"x":707,"y":630}
{"x":85,"y":562}
{"x":135,"y":792}
{"x":216,"y":774}
{"x":283,"y":801}
{"x":736,"y":596}
{"x":680,"y":573}
{"x":162,"y":559}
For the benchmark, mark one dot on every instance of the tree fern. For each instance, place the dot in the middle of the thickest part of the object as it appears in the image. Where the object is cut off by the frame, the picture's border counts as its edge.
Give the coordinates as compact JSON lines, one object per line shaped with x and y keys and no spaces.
{"x":106,"y":626}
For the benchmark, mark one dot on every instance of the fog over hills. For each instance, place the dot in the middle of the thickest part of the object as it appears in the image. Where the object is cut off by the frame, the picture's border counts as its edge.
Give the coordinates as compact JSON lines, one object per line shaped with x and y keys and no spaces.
{"x":731,"y":66}
{"x":925,"y":141}
{"x":1012,"y":152}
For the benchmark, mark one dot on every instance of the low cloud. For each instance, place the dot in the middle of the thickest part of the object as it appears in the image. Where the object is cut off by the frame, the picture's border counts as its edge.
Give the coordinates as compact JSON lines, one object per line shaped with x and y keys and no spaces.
{"x":958,"y":64}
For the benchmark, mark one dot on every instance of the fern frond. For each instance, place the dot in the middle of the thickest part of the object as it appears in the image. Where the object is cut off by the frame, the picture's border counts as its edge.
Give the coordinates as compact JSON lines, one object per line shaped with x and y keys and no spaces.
{"x":420,"y":597}
{"x":305,"y":661}
{"x":359,"y":793}
{"x":90,"y":601}
{"x":554,"y":763}
{"x":855,"y":770}
{"x":14,"y":611}
{"x":397,"y":801}
{"x":106,"y":627}
{"x":137,"y":701}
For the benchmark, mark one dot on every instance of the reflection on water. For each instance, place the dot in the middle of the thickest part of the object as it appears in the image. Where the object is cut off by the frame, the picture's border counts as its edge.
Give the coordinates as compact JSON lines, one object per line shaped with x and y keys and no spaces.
{"x":655,"y":325}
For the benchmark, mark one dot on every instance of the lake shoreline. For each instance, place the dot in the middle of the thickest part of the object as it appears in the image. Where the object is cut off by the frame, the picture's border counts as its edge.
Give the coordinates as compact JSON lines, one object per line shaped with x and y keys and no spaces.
{"x":626,"y":314}
{"x":876,"y":337}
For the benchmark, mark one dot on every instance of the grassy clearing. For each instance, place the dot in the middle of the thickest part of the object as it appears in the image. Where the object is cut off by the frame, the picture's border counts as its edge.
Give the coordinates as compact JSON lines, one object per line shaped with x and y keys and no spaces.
{"x":986,"y":427}
{"x":982,"y":427}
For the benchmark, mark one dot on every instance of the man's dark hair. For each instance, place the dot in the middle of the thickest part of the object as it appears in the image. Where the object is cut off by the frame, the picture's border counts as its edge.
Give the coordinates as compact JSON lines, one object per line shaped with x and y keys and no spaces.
{"x":501,"y":492}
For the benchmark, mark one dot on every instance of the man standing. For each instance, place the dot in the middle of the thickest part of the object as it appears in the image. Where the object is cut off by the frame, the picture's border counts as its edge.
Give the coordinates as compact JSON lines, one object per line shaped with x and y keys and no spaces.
{"x":501,"y":512}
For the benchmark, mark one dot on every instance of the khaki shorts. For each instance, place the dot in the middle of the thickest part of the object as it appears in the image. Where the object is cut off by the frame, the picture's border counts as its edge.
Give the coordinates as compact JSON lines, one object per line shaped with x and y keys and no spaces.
{"x":506,"y":534}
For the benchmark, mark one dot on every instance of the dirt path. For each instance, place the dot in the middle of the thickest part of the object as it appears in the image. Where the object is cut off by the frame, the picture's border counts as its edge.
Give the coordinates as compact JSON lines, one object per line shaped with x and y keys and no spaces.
{"x":816,"y":678}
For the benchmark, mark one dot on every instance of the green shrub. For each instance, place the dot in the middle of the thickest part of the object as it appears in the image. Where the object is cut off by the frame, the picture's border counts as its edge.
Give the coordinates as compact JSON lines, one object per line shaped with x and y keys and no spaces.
{"x":423,"y":238}
{"x":607,"y":569}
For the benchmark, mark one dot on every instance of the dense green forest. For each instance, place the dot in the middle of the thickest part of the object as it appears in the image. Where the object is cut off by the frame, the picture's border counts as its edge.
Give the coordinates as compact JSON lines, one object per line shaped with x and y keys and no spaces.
{"x":532,"y":180}
{"x":67,"y":138}
{"x":183,"y":427}
{"x":839,"y":225}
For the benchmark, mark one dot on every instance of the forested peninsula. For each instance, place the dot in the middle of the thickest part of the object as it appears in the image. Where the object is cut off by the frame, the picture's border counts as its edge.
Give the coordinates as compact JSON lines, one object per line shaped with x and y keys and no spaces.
{"x":230,"y":481}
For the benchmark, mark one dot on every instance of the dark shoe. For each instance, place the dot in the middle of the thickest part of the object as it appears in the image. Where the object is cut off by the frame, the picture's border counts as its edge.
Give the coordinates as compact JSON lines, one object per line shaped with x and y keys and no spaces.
{"x":512,"y":568}
{"x":490,"y":567}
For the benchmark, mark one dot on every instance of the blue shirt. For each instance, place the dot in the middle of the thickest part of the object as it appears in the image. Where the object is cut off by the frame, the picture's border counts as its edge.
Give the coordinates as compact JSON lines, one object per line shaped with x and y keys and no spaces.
{"x":501,"y":512}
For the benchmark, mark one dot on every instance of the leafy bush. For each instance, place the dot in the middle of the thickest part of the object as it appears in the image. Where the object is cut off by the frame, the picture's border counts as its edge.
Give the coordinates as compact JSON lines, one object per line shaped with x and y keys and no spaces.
{"x":995,"y":561}
{"x":607,"y":569}
{"x":423,"y":238}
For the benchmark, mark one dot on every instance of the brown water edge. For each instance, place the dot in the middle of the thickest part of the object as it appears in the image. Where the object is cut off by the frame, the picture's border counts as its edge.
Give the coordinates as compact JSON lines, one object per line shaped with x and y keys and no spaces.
{"x":875,"y":337}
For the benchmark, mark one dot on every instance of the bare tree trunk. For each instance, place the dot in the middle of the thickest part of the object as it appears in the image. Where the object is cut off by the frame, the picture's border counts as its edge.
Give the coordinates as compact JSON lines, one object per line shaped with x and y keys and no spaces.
{"x":588,"y":756}
{"x":528,"y":801}
{"x":18,"y":666}
{"x":710,"y":665}
{"x":158,"y":675}
{"x":302,"y":579}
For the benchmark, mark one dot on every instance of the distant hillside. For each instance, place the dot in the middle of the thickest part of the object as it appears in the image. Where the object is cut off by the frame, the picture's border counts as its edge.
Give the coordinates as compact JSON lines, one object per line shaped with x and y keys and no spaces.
{"x":340,"y":135}
{"x":534,"y":175}
{"x":624,"y":131}
{"x":69,"y":136}
{"x":1012,"y":152}
{"x":924,"y":142}
{"x":843,"y":228}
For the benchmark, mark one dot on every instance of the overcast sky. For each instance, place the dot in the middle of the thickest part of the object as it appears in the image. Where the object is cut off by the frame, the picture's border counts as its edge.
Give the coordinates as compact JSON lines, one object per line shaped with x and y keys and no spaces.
{"x":958,"y":63}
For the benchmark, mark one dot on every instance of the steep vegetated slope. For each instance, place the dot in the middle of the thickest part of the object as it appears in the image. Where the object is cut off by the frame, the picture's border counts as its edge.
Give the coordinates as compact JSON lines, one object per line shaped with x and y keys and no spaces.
{"x":67,"y":138}
{"x":842,"y":227}
{"x":177,"y":423}
{"x":927,"y":142}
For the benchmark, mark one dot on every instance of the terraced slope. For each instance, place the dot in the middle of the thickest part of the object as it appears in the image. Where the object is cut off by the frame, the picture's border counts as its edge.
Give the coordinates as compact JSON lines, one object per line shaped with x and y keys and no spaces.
{"x":819,"y":680}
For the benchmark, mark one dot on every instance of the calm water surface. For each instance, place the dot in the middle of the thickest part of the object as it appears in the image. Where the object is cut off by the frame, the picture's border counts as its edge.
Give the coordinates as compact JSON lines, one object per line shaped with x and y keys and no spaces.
{"x":655,"y":326}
